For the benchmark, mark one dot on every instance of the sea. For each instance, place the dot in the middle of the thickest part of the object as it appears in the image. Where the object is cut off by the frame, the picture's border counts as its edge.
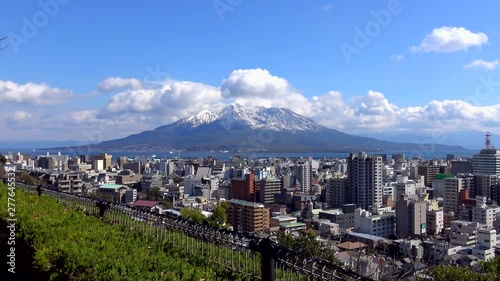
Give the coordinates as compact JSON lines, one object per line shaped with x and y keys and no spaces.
{"x":425,"y":153}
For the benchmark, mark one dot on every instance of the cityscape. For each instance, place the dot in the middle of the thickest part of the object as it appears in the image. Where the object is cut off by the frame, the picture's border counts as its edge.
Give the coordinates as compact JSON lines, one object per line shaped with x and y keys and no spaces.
{"x":442,"y":211}
{"x":249,"y":140}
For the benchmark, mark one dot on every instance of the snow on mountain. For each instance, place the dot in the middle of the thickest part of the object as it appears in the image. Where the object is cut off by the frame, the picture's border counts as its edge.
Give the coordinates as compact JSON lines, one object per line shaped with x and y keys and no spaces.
{"x":255,"y":117}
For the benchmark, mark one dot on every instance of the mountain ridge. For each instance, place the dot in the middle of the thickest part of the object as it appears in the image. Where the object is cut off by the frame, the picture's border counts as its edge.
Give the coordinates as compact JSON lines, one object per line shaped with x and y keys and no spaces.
{"x":237,"y":128}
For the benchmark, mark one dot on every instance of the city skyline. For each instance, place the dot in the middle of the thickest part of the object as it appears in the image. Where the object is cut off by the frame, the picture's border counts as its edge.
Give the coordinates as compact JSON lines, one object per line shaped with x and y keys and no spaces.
{"x":130,"y":70}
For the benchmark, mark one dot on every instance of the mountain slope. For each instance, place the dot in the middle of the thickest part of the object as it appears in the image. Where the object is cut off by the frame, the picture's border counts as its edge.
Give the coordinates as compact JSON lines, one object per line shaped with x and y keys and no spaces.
{"x":237,"y":128}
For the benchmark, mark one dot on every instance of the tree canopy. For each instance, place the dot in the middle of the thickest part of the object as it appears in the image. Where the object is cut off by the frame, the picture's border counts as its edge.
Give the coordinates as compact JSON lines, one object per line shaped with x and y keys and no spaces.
{"x":193,"y":214}
{"x":154,"y":194}
{"x":219,"y":216}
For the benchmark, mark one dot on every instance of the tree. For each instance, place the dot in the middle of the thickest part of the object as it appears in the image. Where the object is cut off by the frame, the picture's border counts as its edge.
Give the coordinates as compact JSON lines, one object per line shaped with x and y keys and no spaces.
{"x":219,"y":216}
{"x":154,"y":194}
{"x":168,"y":203}
{"x":193,"y":214}
{"x":306,"y":244}
{"x":179,"y":180}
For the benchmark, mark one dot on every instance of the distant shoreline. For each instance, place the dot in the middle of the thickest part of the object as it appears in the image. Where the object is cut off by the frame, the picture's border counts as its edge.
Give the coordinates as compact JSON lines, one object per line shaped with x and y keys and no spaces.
{"x":426,"y":155}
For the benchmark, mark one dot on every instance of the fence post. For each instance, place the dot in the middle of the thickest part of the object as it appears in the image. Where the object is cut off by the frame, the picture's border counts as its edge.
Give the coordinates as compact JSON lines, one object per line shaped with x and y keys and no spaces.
{"x":267,"y":260}
{"x":102,"y":208}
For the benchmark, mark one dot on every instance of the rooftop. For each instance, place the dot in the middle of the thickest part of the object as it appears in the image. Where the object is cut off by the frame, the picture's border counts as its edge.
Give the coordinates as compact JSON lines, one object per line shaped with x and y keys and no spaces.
{"x":146,"y":203}
{"x":245,"y":203}
{"x":111,"y":186}
{"x":351,"y":245}
{"x":293,"y":224}
{"x":367,"y":236}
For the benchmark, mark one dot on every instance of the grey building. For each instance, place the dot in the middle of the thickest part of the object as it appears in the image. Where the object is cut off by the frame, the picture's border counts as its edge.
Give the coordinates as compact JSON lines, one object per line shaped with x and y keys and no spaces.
{"x":365,"y":180}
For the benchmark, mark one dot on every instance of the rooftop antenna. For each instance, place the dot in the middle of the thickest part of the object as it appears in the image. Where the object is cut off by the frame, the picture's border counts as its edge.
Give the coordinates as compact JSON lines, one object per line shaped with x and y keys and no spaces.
{"x":487,"y":141}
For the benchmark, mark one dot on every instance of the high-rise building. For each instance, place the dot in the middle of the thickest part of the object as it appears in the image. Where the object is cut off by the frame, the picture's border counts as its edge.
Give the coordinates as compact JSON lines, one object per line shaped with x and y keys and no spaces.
{"x":243,"y":188}
{"x":452,"y":187}
{"x":336,"y":192}
{"x":247,"y":216}
{"x":269,"y":187}
{"x":487,"y":162}
{"x":411,"y":217}
{"x":365,"y":180}
{"x":303,"y":174}
{"x":122,"y":160}
{"x":483,"y":185}
{"x":106,"y":158}
{"x":461,"y":167}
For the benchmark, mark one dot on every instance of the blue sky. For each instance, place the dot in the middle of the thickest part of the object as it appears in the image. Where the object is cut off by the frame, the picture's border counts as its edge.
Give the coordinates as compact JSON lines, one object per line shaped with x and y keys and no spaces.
{"x":287,"y":55}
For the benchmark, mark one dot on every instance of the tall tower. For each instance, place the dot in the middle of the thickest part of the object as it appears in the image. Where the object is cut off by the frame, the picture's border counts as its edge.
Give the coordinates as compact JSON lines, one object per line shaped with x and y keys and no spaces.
{"x":303,"y":173}
{"x":365,"y":180}
{"x":487,"y":161}
{"x":487,"y":141}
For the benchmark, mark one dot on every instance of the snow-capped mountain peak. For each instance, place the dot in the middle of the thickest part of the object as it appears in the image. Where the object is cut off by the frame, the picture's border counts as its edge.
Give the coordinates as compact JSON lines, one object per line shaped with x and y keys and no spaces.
{"x":254,"y":117}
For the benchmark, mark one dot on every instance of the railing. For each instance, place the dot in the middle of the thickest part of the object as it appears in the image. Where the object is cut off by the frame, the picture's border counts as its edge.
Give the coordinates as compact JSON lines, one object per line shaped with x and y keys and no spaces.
{"x":254,"y":257}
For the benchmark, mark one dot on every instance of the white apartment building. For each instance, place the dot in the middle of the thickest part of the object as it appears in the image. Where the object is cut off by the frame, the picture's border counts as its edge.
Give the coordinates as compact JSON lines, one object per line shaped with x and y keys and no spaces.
{"x":485,"y":246}
{"x":464,"y":233}
{"x":382,"y":223}
{"x":483,"y":213}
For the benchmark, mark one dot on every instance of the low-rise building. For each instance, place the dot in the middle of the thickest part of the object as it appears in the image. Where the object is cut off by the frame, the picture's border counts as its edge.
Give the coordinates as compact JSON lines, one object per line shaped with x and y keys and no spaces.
{"x":279,"y":220}
{"x":113,"y":192}
{"x":381,"y":223}
{"x":464,"y":233}
{"x":483,"y":213}
{"x":485,"y":246}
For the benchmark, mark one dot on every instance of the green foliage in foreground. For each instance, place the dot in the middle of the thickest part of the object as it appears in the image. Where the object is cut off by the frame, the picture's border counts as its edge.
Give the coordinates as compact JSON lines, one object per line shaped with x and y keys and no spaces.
{"x":70,"y":245}
{"x":491,"y":271}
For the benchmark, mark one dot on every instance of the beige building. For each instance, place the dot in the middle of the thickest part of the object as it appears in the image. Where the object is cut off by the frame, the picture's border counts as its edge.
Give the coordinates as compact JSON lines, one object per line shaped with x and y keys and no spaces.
{"x":248,"y":216}
{"x":452,"y":187}
{"x":435,"y":222}
{"x":411,"y":217}
{"x":106,"y":158}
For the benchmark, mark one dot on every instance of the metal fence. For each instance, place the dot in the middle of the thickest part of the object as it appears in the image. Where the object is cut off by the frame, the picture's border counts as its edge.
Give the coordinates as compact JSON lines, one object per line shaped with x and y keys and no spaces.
{"x":251,"y":256}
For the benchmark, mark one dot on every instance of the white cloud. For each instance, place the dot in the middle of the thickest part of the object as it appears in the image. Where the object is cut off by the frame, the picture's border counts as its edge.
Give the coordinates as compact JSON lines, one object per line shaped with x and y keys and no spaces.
{"x":397,"y":57}
{"x":172,"y":100}
{"x":259,"y":87}
{"x":117,"y":83}
{"x":450,"y":39}
{"x":489,"y":65}
{"x":32,"y":93}
{"x":134,"y":110}
{"x":17,"y":118}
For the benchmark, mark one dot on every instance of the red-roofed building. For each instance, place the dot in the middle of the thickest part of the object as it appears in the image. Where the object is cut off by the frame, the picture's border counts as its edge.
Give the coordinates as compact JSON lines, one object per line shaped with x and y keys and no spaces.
{"x":146,"y":205}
